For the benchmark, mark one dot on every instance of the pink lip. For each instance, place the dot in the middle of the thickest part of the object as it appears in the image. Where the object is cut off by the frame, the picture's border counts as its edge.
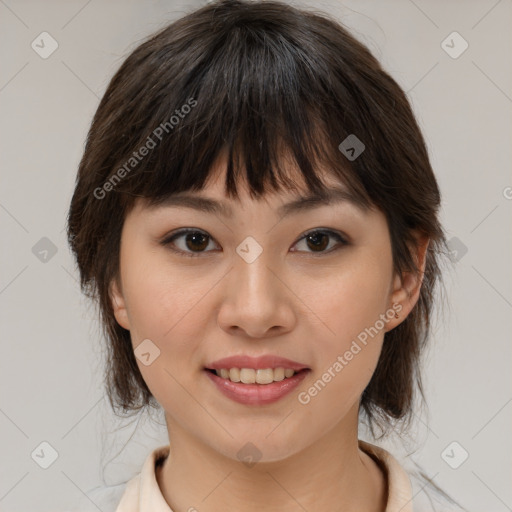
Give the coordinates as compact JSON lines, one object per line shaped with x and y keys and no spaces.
{"x":257,"y":363}
{"x":256,"y":394}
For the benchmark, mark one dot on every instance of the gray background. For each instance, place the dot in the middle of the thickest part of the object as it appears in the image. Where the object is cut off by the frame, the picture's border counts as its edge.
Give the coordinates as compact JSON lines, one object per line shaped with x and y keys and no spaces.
{"x":51,"y":379}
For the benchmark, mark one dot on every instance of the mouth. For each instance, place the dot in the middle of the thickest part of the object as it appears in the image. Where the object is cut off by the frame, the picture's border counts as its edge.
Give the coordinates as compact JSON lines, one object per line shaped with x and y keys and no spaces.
{"x":256,"y":376}
{"x":260,"y":380}
{"x":256,"y":387}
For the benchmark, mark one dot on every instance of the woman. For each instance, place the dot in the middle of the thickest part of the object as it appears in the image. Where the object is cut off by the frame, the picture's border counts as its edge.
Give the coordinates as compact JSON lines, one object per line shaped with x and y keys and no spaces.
{"x":256,"y":215}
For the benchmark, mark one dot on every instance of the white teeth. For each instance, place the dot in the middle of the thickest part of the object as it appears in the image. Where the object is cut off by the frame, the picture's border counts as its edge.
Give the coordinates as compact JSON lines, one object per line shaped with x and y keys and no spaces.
{"x":264,"y":376}
{"x":247,"y":375}
{"x":251,"y":376}
{"x":234,"y":375}
{"x":279,"y":374}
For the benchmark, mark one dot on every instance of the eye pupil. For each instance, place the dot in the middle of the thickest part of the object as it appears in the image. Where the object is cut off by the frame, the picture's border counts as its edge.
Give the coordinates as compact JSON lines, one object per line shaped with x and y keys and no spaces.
{"x":195,"y":237}
{"x":315,"y":238}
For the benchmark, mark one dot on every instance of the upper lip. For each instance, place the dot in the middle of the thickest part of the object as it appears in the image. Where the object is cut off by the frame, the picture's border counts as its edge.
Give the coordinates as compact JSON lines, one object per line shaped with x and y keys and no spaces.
{"x":258,"y":363}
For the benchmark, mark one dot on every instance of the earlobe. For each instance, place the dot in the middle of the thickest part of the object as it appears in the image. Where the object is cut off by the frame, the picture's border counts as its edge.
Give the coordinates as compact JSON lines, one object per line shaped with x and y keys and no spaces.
{"x":118,"y":304}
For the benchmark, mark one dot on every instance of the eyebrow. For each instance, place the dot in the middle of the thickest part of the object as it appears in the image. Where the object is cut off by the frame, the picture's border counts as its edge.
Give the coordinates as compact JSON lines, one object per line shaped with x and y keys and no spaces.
{"x":302,"y":204}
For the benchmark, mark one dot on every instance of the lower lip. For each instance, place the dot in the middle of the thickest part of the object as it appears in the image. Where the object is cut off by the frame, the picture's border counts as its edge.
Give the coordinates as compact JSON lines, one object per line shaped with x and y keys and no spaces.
{"x":257,"y":394}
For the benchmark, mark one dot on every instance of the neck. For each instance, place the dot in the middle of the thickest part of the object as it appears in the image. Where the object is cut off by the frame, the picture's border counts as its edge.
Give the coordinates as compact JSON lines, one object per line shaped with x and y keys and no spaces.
{"x":331,"y":474}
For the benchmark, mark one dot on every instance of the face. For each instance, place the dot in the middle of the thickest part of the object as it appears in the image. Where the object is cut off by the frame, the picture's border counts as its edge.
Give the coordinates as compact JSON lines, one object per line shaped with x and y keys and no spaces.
{"x":314,"y":286}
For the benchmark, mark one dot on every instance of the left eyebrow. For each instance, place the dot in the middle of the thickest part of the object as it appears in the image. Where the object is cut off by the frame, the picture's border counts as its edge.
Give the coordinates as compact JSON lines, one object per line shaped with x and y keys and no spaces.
{"x":304,"y":203}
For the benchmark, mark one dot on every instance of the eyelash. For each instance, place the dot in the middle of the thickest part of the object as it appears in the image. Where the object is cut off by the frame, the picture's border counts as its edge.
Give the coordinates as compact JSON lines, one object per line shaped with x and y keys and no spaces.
{"x":167,"y":242}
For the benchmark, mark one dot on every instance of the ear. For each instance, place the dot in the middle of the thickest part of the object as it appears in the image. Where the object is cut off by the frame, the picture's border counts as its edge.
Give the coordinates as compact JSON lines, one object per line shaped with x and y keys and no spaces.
{"x":118,"y":304}
{"x":407,"y":287}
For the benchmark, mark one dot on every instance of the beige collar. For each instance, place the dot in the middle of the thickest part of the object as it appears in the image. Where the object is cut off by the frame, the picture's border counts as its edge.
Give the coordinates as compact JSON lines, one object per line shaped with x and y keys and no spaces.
{"x":142,"y":493}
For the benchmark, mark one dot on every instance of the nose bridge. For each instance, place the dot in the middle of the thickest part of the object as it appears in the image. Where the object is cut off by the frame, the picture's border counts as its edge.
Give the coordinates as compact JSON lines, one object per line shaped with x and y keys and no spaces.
{"x":255,"y":300}
{"x":253,"y":279}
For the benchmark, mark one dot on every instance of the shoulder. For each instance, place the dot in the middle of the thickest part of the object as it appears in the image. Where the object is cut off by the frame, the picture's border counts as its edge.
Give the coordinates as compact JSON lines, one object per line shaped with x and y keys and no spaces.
{"x":398,"y":483}
{"x":409,"y":489}
{"x":126,"y":495}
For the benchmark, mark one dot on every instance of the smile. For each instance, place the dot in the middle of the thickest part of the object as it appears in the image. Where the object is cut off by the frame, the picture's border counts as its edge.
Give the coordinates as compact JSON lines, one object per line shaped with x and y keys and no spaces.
{"x":252,"y":376}
{"x":253,"y":393}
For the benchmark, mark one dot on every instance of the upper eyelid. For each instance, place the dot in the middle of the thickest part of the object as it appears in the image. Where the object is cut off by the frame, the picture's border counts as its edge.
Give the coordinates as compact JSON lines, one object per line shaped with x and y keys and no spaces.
{"x":184,"y":231}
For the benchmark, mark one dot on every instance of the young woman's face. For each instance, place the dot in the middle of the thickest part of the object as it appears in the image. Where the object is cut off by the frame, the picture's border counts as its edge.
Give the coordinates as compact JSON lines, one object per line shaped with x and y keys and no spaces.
{"x":314,"y":286}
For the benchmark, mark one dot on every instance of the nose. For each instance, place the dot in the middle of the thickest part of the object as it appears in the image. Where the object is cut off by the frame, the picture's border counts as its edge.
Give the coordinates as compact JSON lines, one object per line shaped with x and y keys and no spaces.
{"x":257,"y":300}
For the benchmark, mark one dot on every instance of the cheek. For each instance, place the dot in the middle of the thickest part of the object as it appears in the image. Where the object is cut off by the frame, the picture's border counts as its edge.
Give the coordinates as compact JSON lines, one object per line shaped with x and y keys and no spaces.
{"x":351,"y":307}
{"x":169,"y":308}
{"x":159,"y":296}
{"x":352,"y":299}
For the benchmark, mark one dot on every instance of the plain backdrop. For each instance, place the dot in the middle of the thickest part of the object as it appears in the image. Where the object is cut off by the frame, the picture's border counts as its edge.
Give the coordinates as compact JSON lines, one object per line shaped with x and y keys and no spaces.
{"x":51,"y":369}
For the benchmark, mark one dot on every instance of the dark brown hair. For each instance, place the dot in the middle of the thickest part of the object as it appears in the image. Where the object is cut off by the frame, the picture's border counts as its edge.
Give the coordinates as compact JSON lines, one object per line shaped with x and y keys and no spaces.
{"x":257,"y":80}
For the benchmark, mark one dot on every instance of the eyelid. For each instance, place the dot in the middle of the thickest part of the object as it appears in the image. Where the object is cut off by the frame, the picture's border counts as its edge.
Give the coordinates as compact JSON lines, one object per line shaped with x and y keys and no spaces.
{"x":342,"y":241}
{"x":328,"y":231}
{"x":341,"y":237}
{"x":169,"y":238}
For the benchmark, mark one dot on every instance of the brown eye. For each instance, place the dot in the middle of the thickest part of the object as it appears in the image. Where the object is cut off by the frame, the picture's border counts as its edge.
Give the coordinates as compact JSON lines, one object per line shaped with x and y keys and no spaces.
{"x":317,"y":241}
{"x":189,"y":242}
{"x":196,"y":241}
{"x":193,"y":243}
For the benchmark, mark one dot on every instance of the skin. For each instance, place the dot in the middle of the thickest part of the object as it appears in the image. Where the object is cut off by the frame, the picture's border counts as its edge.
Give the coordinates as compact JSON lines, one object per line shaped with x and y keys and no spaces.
{"x":291,"y":301}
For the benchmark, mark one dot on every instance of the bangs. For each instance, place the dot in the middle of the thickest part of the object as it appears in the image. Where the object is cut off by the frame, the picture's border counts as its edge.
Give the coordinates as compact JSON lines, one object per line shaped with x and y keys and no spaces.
{"x":250,"y":94}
